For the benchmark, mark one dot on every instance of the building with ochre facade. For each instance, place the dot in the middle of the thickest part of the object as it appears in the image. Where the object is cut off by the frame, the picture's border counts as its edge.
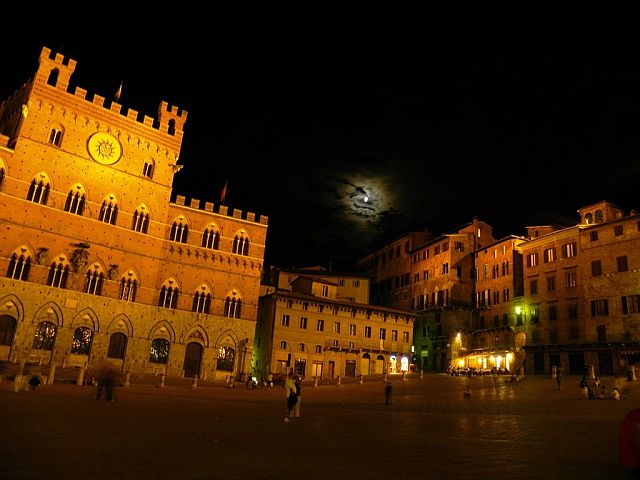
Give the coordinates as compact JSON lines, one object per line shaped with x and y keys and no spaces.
{"x":319,"y":324}
{"x":102,"y":264}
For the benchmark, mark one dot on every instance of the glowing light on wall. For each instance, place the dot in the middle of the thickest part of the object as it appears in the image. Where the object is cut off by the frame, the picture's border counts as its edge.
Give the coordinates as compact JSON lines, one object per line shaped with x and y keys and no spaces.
{"x":404,"y":364}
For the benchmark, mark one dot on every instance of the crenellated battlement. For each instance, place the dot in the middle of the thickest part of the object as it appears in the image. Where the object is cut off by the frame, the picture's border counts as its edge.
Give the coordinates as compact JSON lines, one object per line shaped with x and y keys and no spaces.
{"x":55,"y":71}
{"x":210,"y":207}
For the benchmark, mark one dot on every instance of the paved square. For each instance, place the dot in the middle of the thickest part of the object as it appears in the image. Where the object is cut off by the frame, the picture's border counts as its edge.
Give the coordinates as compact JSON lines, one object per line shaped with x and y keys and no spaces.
{"x":528,"y":430}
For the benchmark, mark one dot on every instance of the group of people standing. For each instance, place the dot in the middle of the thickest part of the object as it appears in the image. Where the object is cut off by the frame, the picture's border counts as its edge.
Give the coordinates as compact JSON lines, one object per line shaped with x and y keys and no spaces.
{"x":598,"y":390}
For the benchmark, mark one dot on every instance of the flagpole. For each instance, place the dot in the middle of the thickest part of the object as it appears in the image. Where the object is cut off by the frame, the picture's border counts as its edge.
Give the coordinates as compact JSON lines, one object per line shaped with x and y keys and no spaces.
{"x":119,"y":92}
{"x":223,"y":193}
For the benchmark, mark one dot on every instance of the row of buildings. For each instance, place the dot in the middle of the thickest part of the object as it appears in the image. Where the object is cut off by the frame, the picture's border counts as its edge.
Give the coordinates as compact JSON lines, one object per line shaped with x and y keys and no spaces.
{"x":557,"y":297}
{"x":106,"y":266}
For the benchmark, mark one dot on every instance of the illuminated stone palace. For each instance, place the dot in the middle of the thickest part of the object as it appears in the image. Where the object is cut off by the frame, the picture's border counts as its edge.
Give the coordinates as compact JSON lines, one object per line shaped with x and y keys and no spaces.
{"x":101,"y":265}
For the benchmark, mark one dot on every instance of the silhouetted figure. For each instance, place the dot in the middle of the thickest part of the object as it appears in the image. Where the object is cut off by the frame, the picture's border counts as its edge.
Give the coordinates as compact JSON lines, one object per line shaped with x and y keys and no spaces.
{"x":467,"y":392}
{"x":296,"y":408}
{"x":290,"y":395}
{"x":107,"y":381}
{"x":34,"y":382}
{"x":559,"y":378}
{"x":387,"y":393}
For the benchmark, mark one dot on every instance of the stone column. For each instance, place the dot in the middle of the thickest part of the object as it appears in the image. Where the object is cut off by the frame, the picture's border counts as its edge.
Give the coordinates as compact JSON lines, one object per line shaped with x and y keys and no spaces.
{"x":52,"y":372}
{"x":80,"y":379}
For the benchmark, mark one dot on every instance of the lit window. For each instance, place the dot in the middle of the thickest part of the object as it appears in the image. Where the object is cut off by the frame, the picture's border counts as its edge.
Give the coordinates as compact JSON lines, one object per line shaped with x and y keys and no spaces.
{"x":159,"y":352}
{"x":226,"y":356}
{"x":81,"y":343}
{"x":549,"y":255}
{"x":45,"y":336}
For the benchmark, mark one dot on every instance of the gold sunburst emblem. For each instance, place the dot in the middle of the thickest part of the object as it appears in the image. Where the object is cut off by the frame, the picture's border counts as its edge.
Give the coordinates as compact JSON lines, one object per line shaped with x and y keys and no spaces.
{"x":104,"y":148}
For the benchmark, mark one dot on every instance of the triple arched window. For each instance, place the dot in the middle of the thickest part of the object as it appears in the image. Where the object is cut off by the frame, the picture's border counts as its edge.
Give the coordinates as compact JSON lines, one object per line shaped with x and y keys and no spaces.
{"x":76,"y":199}
{"x":169,"y":295}
{"x":19,"y":265}
{"x":233,"y":305}
{"x":240,"y":244}
{"x":58,"y":274}
{"x":109,"y":210}
{"x":179,"y":231}
{"x":94,"y":280}
{"x":39,"y":190}
{"x":128,"y":288}
{"x":202,"y":300}
{"x":211,"y":237}
{"x":140,"y":220}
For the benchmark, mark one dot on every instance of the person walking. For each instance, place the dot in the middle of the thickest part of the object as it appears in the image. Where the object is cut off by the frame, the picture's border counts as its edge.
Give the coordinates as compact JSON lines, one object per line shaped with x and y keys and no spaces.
{"x":296,"y":408}
{"x":559,"y":378}
{"x":290,"y":395}
{"x":107,"y":382}
{"x":387,"y":393}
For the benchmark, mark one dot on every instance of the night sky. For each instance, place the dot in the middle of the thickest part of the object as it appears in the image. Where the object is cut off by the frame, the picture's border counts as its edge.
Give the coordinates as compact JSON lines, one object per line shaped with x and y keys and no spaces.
{"x":436,"y":111}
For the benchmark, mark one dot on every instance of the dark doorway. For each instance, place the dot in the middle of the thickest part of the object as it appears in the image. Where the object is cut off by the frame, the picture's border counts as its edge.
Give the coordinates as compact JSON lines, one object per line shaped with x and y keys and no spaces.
{"x":554,"y":361}
{"x":332,"y":369}
{"x":350,"y":368}
{"x":576,"y":364}
{"x":192,"y":359}
{"x":605,"y":364}
{"x":538,"y":363}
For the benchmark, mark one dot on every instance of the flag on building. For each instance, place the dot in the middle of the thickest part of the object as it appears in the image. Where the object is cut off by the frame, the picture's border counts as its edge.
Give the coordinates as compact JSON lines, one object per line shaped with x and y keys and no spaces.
{"x":119,"y":92}
{"x":223,"y":193}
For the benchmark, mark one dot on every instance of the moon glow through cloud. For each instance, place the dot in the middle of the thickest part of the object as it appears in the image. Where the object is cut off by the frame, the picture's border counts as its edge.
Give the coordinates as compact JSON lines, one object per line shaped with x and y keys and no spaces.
{"x":362,"y":199}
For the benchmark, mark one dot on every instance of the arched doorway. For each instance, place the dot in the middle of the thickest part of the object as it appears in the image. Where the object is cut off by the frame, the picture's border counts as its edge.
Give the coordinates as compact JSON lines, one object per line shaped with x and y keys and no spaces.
{"x":365,"y":364}
{"x":192,"y":359}
{"x":7,"y":330}
{"x":380,"y":364}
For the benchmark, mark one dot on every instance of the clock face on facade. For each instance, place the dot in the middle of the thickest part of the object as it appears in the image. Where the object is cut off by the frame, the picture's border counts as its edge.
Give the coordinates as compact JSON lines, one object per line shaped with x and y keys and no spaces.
{"x":104,"y":148}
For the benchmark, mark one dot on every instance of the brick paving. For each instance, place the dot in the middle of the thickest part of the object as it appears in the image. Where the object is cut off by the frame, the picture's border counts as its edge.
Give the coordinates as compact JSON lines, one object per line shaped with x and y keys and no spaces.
{"x":528,"y":430}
